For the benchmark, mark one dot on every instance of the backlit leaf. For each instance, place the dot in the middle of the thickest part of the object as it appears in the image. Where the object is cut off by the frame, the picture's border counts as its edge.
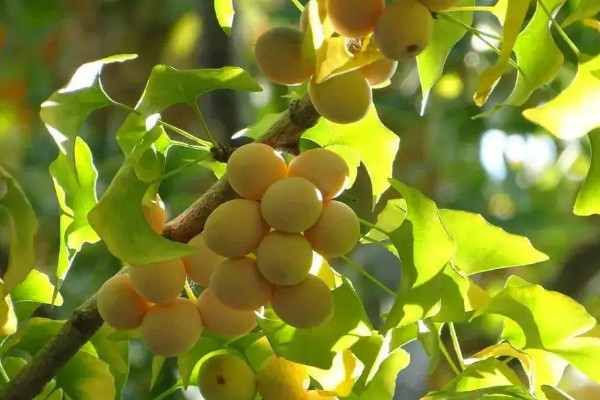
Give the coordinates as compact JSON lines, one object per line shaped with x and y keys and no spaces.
{"x":582,"y":9}
{"x":86,"y":377}
{"x":225,"y":13}
{"x":484,"y":374}
{"x":588,"y":198}
{"x":339,"y":379}
{"x":491,"y":393}
{"x":187,"y":361}
{"x":36,"y":288}
{"x":113,"y":353}
{"x":383,"y":384}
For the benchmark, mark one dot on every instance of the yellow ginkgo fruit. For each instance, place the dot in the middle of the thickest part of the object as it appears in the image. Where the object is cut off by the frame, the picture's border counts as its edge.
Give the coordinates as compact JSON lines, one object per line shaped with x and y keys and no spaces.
{"x":155,"y":214}
{"x":226,"y":377}
{"x":284,"y":258}
{"x":119,"y":305}
{"x":354,"y":18}
{"x":326,"y":169}
{"x":159,"y":282}
{"x":280,"y":379}
{"x":200,"y":265}
{"x":222,"y":320}
{"x":336,"y":232}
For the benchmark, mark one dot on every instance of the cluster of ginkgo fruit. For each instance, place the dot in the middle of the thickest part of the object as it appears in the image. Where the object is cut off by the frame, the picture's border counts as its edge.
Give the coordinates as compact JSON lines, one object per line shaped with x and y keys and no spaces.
{"x":228,"y":377}
{"x":255,"y":250}
{"x":399,"y":31}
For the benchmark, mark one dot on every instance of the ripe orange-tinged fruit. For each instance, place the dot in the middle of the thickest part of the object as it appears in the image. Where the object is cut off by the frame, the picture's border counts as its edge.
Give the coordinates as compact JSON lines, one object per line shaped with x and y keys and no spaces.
{"x":222,"y":320}
{"x":254,"y":167}
{"x":380,"y":71}
{"x":305,"y":305}
{"x":226,"y":377}
{"x":292,"y":205}
{"x":344,"y":99}
{"x":327,"y":170}
{"x":284,"y":258}
{"x":172,"y":328}
{"x":235,"y":228}
{"x":159,"y":282}
{"x":354,"y":18}
{"x":280,"y":379}
{"x":119,"y":304}
{"x":155,"y":214}
{"x":200,"y":265}
{"x":439,"y":5}
{"x":237,"y":283}
{"x":403,"y":30}
{"x":336,"y":232}
{"x":280,"y":57}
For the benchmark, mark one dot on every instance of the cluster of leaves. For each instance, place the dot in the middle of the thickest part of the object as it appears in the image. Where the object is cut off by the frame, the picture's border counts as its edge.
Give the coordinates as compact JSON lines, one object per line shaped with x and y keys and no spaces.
{"x":440,"y":250}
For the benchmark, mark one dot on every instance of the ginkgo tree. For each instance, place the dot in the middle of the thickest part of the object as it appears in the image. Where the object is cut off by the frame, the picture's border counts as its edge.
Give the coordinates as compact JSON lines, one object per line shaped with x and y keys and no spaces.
{"x":440,"y":251}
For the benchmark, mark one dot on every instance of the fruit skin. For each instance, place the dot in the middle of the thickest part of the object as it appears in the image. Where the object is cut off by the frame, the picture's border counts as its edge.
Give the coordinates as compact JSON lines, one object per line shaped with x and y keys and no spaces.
{"x":344,"y":99}
{"x":380,"y":71}
{"x":326,"y":169}
{"x":238,"y":284}
{"x":354,"y":18}
{"x":119,"y":304}
{"x":403,"y":30}
{"x":284,"y":258}
{"x":172,"y":328}
{"x":235,"y":228}
{"x":280,"y":379}
{"x":254,"y":167}
{"x":200,"y":265}
{"x":159,"y":282}
{"x":226,"y":377}
{"x":305,"y":305}
{"x":336,"y":232}
{"x":155,"y":214}
{"x":222,"y":320}
{"x":439,"y":5}
{"x":292,"y":205}
{"x":280,"y":58}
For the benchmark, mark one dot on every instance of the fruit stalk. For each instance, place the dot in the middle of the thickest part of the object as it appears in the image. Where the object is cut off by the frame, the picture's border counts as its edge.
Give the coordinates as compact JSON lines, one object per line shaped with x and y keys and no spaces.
{"x":85,"y":320}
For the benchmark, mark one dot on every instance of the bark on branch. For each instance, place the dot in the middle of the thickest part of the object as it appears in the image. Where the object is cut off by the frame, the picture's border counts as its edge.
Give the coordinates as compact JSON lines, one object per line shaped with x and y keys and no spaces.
{"x":85,"y":321}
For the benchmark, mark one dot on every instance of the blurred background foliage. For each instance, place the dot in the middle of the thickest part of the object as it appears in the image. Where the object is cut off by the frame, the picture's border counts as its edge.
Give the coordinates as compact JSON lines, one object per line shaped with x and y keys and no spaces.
{"x":516,"y":175}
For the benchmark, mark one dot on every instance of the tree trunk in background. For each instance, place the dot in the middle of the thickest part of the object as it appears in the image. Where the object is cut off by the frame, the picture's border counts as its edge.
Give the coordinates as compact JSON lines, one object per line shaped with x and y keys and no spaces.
{"x":221,"y":107}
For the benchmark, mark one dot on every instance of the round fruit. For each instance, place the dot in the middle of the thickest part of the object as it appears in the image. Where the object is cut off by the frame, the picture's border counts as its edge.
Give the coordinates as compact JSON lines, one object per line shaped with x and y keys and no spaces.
{"x":292,"y":205}
{"x":252,"y":168}
{"x":237,"y":283}
{"x":305,"y":305}
{"x":354,"y":18}
{"x":3,"y":187}
{"x":280,"y":57}
{"x":336,"y":232}
{"x":159,"y":282}
{"x":119,"y":305}
{"x":235,"y":228}
{"x":344,"y":99}
{"x":155,"y":214}
{"x":280,"y":379}
{"x":226,"y":377}
{"x":380,"y":71}
{"x":284,"y":258}
{"x":222,"y":320}
{"x":439,"y":5}
{"x":172,"y":328}
{"x":200,"y":265}
{"x":327,"y":170}
{"x":403,"y":30}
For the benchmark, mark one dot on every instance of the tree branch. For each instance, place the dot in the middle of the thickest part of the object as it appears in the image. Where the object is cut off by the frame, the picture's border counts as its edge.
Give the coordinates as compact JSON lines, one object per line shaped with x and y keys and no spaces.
{"x":85,"y":321}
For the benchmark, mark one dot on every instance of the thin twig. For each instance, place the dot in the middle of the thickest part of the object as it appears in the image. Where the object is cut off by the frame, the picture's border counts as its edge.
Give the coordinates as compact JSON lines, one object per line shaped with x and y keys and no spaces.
{"x":204,"y":124}
{"x":560,"y":30}
{"x":373,"y":226}
{"x":456,"y":344}
{"x":367,"y":275}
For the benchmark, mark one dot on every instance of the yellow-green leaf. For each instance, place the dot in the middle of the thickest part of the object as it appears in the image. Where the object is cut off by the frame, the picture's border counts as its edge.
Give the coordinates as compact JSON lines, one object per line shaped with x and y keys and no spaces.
{"x":588,"y":198}
{"x":225,"y":13}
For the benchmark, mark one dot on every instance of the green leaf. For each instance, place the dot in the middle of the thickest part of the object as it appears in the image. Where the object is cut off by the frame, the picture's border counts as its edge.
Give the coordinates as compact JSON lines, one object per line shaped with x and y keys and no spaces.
{"x":492,"y":393}
{"x":505,"y":349}
{"x":572,"y":113}
{"x":588,"y":198}
{"x":583,"y":9}
{"x":86,"y":377}
{"x":257,"y":129}
{"x":481,"y":246}
{"x":76,"y":193}
{"x":317,"y":346}
{"x":186,"y":362}
{"x":157,"y":364}
{"x":389,"y":219}
{"x":23,"y":227}
{"x":554,"y":393}
{"x":484,"y":374}
{"x":369,"y":139}
{"x":120,"y":222}
{"x":581,"y":352}
{"x":515,"y":15}
{"x":383,"y":384}
{"x":431,"y":247}
{"x":113,"y":353}
{"x":66,"y":109}
{"x":536,"y":311}
{"x":444,"y":37}
{"x":36,"y":288}
{"x":225,"y":13}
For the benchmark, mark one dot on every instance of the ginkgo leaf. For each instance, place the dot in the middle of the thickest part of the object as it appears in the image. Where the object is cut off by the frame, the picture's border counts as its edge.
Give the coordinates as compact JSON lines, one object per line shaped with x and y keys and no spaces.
{"x":588,"y":198}
{"x":225,"y":13}
{"x":505,"y":349}
{"x":340,"y":378}
{"x":515,"y":15}
{"x":574,"y":112}
{"x":582,"y":9}
{"x":484,"y":374}
{"x":334,"y":58}
{"x":383,"y":384}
